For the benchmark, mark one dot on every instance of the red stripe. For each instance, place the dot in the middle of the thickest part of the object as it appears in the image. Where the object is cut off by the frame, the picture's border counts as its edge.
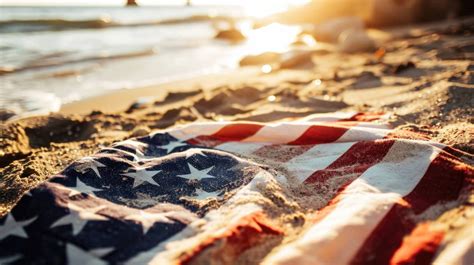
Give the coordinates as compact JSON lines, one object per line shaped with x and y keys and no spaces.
{"x":369,"y":152}
{"x":419,"y":247}
{"x":353,"y":162}
{"x":321,"y":134}
{"x":442,"y":182}
{"x":457,"y":153}
{"x":231,"y":132}
{"x":317,"y":134}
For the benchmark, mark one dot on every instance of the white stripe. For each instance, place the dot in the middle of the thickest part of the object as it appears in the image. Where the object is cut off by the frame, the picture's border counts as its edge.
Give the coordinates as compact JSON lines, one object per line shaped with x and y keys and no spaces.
{"x":240,"y":148}
{"x":373,"y":125}
{"x":459,"y":251}
{"x":362,"y":133}
{"x":317,"y":158}
{"x":328,"y":117}
{"x":338,"y":237}
{"x":279,"y":133}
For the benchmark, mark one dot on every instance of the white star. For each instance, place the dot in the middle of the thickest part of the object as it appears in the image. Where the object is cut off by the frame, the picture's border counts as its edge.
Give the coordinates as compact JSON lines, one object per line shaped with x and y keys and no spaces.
{"x":204,"y":195}
{"x":78,"y":217}
{"x":147,"y":220}
{"x":196,"y":173}
{"x":81,"y":187}
{"x":87,"y":163}
{"x":12,"y":227}
{"x":78,"y":256}
{"x":172,"y":145}
{"x":142,"y":175}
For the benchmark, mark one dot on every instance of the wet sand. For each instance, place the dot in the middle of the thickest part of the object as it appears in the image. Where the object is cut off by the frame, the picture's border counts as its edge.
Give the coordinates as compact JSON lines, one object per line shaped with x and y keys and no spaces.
{"x":423,"y":77}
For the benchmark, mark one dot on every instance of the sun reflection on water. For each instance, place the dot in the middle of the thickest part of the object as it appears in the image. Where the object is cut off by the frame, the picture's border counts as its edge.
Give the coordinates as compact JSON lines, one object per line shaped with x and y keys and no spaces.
{"x":272,"y":38}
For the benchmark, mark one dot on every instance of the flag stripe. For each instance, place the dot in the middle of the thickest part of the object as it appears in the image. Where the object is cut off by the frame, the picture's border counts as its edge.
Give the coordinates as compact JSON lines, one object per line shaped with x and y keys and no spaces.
{"x":458,"y":251}
{"x":319,"y":134}
{"x":317,"y":158}
{"x":327,"y":117}
{"x":278,"y":133}
{"x":360,"y":207}
{"x":362,"y":133}
{"x":284,"y":153}
{"x":339,"y":184}
{"x":419,"y":247}
{"x":230,"y":132}
{"x":442,"y":182}
{"x":355,"y":161}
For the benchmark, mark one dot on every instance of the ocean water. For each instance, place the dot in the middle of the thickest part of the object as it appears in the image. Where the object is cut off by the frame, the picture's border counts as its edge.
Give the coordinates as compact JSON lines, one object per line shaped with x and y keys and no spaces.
{"x":50,"y":56}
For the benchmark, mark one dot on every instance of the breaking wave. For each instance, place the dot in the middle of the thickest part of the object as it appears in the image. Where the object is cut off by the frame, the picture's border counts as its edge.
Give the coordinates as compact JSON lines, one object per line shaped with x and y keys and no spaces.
{"x":33,"y":25}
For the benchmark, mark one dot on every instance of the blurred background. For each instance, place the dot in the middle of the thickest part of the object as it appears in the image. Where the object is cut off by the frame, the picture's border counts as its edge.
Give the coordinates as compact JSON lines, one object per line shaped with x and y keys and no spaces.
{"x":57,"y":51}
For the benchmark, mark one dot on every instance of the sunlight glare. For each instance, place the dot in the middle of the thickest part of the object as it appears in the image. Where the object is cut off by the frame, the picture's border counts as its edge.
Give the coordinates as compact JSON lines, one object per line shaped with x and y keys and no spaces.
{"x":266,"y":69}
{"x":271,"y":98}
{"x":263,"y":8}
{"x":308,"y":40}
{"x":260,"y":10}
{"x":272,"y":38}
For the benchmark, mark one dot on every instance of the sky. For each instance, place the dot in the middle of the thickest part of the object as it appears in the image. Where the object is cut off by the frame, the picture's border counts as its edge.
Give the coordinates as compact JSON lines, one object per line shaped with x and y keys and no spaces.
{"x":146,"y":2}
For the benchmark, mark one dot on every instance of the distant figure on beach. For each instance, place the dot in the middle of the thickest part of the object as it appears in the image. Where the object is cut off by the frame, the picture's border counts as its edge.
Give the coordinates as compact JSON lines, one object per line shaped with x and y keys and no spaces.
{"x":188,"y":2}
{"x":132,"y":3}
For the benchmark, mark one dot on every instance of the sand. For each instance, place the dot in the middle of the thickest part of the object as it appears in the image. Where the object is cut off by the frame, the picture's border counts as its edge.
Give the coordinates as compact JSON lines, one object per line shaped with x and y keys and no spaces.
{"x":423,"y":76}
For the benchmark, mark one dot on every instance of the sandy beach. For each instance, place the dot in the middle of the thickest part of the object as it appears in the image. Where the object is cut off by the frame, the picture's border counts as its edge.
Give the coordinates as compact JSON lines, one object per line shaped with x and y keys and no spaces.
{"x":422,"y":76}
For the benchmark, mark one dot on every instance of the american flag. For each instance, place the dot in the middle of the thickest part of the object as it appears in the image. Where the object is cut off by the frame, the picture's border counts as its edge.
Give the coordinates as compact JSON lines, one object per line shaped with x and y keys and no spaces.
{"x":340,"y":188}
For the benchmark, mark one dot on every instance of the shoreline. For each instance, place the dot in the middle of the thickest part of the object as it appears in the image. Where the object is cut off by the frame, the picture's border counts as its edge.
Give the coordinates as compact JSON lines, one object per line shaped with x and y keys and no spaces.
{"x":423,"y":78}
{"x":121,"y":99}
